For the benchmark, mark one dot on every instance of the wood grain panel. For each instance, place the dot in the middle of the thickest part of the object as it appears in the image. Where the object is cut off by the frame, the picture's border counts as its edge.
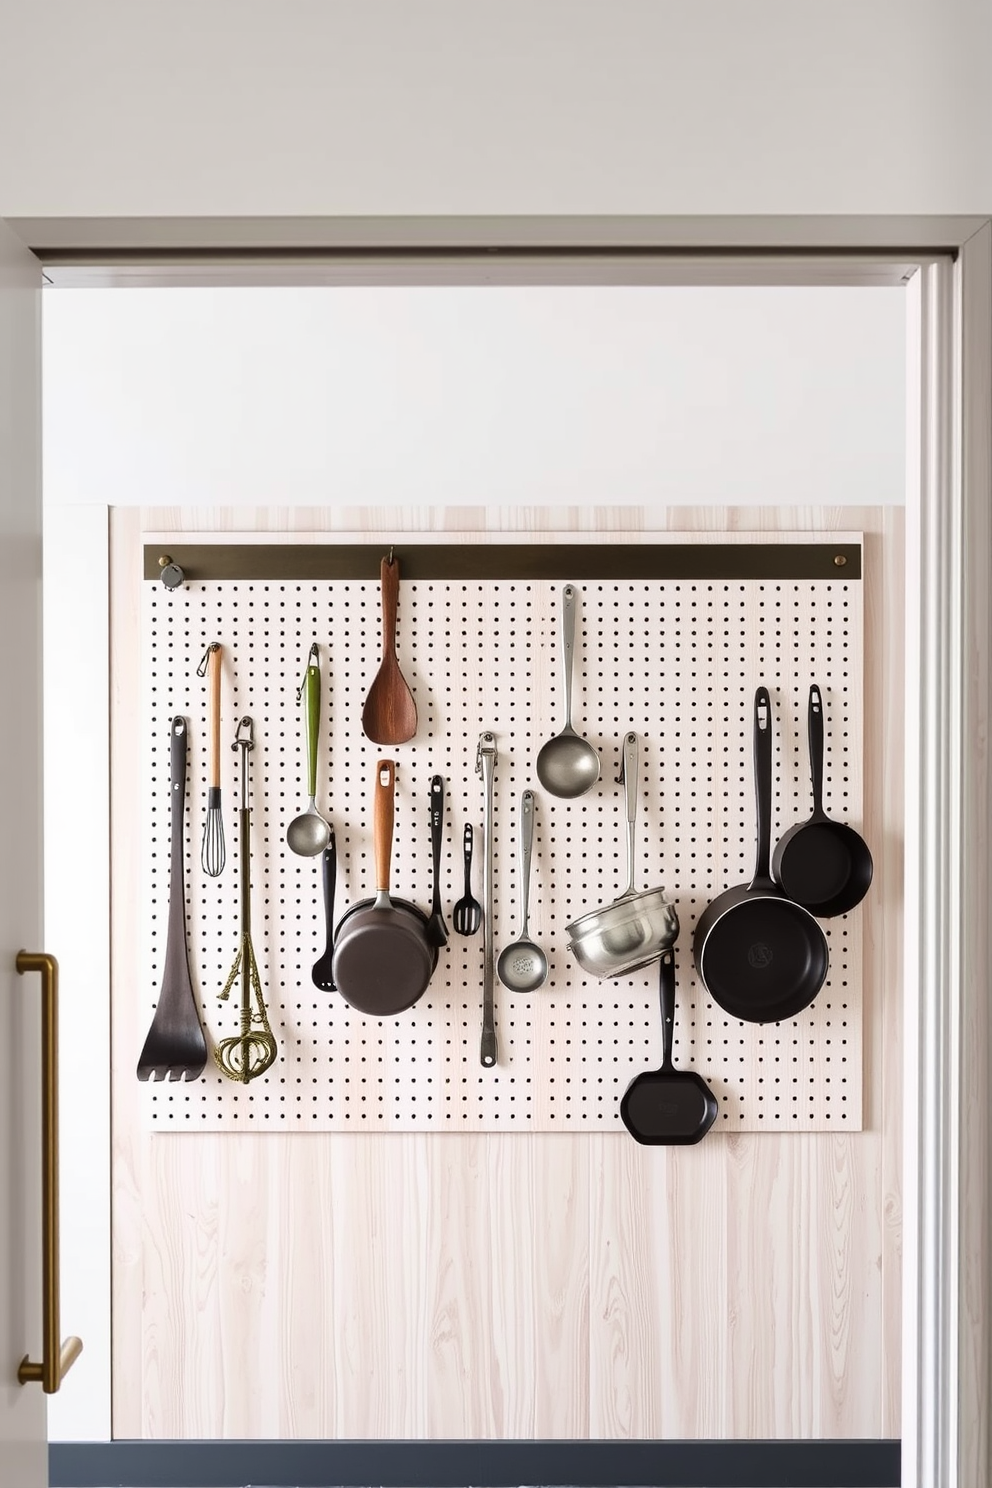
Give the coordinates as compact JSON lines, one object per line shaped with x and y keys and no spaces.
{"x":447,"y":1285}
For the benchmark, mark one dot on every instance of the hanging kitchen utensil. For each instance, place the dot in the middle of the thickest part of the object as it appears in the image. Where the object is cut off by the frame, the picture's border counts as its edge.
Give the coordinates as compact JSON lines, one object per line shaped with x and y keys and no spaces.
{"x":667,"y":1107}
{"x":467,"y":913}
{"x":308,"y":833}
{"x":824,"y":865}
{"x":437,"y":930}
{"x":383,"y":956}
{"x":522,"y":965}
{"x":322,"y":974}
{"x":175,"y":1047}
{"x":639,"y":924}
{"x":390,"y":713}
{"x":212,"y":854}
{"x":485,"y":765}
{"x":759,"y":955}
{"x":567,"y":765}
{"x":249,"y":1052}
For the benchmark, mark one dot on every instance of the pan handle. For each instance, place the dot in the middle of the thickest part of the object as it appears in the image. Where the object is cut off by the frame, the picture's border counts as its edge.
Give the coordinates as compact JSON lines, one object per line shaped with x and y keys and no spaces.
{"x":666,"y":993}
{"x":763,"y":789}
{"x":382,"y":822}
{"x":815,"y":728}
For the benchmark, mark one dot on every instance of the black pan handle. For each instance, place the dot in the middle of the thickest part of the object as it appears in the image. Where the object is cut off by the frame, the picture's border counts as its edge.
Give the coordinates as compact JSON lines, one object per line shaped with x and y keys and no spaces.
{"x":763,"y":789}
{"x":437,"y":831}
{"x":329,"y":866}
{"x":467,"y":854}
{"x":815,"y":727}
{"x":666,"y":992}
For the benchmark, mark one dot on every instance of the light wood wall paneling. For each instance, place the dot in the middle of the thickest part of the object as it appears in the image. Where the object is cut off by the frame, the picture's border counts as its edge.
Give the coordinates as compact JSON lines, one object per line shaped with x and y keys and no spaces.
{"x":550,"y":1286}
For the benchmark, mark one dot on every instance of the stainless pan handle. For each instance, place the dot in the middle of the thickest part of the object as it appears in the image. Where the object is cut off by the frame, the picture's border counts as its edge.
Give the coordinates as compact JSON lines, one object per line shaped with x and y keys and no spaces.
{"x":486,"y":767}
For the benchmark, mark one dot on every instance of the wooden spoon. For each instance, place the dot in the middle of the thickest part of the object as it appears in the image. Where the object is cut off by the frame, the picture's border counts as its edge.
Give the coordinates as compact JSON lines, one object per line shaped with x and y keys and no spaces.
{"x":390,"y":713}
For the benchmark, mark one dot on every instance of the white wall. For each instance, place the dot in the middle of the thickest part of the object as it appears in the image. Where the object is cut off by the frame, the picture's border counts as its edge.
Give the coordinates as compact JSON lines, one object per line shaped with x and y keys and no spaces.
{"x":325,"y":107}
{"x":475,"y":396}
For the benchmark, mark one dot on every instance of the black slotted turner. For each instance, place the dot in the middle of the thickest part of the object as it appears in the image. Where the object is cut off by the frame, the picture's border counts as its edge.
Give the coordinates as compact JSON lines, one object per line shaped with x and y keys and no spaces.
{"x":175,"y":1047}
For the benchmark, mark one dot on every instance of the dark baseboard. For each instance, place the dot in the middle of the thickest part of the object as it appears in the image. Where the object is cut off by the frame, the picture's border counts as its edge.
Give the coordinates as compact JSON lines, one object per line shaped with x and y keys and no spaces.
{"x":475,"y":1464}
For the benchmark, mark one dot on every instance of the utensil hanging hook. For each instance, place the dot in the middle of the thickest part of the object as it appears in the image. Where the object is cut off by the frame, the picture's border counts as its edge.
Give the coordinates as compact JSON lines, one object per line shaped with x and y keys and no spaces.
{"x":313,"y":659}
{"x":201,"y":670}
{"x":621,"y":779}
{"x":244,"y":738}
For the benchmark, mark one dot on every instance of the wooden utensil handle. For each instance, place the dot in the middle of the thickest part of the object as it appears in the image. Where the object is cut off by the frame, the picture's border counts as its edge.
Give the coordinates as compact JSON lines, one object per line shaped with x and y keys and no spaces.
{"x":382,"y":822}
{"x":389,"y":579}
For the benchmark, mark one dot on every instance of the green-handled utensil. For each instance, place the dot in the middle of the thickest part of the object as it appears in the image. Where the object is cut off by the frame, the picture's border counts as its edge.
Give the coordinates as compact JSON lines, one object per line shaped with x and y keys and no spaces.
{"x":308,"y":833}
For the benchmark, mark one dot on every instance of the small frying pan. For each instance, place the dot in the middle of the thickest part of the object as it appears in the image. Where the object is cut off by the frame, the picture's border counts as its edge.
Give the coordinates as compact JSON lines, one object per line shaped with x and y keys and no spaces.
{"x":759,"y":955}
{"x":823,"y":865}
{"x":668,"y":1107}
{"x":383,"y":957}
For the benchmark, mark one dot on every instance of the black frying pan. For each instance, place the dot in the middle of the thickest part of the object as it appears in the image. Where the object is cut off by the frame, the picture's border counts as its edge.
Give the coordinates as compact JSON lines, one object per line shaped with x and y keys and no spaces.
{"x":760,"y":956}
{"x":383,"y":957}
{"x":823,"y":865}
{"x":668,"y":1107}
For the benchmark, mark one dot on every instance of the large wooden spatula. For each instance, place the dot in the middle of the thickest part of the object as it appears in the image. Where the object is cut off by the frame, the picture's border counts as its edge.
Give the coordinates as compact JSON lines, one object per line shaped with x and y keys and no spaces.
{"x":390,"y":713}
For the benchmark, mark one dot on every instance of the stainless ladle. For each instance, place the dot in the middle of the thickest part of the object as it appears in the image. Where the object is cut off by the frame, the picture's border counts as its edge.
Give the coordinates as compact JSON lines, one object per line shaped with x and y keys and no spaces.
{"x":567,"y":765}
{"x":522,"y":965}
{"x":308,"y":833}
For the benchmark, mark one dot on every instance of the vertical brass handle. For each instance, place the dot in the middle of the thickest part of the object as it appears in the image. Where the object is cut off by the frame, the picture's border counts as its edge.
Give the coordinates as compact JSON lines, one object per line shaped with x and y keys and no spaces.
{"x":57,"y":1358}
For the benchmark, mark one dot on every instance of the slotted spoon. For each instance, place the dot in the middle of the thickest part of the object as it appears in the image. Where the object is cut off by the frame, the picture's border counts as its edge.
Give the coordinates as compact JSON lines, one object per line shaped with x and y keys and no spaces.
{"x":467,"y":913}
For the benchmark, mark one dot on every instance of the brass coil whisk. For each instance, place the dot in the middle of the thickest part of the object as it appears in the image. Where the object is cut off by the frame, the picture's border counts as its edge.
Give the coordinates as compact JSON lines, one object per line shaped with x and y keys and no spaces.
{"x":248,"y":1053}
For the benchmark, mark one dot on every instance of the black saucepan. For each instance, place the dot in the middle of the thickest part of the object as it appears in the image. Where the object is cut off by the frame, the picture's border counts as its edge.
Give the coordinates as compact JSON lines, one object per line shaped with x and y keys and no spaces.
{"x":760,"y":956}
{"x":668,"y":1107}
{"x":823,"y":865}
{"x":383,"y":957}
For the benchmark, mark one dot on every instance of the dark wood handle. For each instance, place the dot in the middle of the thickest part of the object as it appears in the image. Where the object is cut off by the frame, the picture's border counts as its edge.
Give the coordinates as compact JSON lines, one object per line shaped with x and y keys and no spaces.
{"x":389,"y":576}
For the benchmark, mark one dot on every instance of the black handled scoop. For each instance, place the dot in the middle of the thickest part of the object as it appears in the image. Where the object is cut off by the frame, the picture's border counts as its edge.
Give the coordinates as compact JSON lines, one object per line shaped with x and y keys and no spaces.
{"x":668,"y":1107}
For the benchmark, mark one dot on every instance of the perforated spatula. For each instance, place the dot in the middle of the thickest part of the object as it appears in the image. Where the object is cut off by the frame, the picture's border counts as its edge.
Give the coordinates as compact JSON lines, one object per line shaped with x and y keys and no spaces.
{"x":175,"y":1047}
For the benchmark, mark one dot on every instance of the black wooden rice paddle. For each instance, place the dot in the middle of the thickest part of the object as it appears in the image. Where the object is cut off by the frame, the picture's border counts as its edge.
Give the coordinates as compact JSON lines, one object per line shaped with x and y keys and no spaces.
{"x":668,"y":1107}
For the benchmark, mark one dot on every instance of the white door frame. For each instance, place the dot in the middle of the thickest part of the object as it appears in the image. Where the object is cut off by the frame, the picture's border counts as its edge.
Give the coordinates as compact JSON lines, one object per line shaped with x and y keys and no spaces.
{"x":947,"y":1351}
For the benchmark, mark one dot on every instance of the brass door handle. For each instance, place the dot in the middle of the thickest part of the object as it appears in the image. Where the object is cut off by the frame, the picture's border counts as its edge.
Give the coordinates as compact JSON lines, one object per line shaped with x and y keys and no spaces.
{"x":57,"y":1358}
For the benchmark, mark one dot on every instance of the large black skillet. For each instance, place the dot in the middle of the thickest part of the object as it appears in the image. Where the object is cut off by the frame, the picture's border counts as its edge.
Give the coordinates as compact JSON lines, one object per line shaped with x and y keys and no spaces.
{"x":383,"y":957}
{"x":822,"y":864}
{"x":760,"y":956}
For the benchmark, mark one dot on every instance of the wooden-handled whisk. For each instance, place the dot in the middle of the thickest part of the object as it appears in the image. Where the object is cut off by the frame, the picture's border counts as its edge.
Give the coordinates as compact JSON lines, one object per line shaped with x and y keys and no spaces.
{"x":250,"y":1051}
{"x":212,"y":853}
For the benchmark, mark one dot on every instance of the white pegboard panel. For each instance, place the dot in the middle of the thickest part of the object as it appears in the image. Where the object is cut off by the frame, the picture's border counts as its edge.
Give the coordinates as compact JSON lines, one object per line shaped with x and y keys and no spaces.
{"x":674,"y":660}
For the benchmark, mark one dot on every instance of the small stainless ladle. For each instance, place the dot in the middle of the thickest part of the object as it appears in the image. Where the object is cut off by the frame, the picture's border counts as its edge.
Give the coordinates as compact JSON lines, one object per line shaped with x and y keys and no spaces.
{"x":522,"y":965}
{"x":308,"y":834}
{"x":567,"y":765}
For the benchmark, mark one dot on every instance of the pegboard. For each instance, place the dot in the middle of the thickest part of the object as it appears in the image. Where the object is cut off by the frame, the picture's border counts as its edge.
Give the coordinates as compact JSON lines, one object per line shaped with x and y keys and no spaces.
{"x":676,"y":660}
